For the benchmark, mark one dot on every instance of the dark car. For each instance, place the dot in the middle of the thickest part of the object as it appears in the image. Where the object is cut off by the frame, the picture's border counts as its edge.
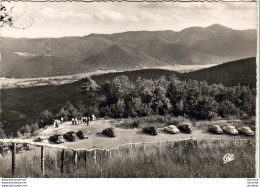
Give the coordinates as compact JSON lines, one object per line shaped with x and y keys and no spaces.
{"x":5,"y":150}
{"x":41,"y":139}
{"x":186,"y":127}
{"x":151,"y":130}
{"x":57,"y":138}
{"x":81,"y":135}
{"x":111,"y":132}
{"x":70,"y":136}
{"x":28,"y":147}
{"x":19,"y":148}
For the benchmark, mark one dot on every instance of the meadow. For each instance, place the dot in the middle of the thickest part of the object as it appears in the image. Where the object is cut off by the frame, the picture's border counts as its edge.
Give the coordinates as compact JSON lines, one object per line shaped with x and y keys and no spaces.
{"x":194,"y":158}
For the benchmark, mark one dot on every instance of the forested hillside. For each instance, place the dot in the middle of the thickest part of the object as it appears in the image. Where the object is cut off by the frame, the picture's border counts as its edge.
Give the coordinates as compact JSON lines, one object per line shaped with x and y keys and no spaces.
{"x":119,"y":96}
{"x":241,"y":72}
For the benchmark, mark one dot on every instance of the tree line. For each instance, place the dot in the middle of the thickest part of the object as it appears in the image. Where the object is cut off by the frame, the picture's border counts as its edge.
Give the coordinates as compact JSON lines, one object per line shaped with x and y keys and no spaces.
{"x":122,"y":98}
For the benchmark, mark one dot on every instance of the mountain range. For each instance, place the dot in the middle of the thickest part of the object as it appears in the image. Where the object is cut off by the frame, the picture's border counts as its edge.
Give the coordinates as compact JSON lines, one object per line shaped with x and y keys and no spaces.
{"x":43,"y":57}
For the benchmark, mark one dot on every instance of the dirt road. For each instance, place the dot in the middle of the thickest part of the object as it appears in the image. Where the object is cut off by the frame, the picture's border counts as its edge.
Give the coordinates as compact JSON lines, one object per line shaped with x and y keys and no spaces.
{"x":96,"y":139}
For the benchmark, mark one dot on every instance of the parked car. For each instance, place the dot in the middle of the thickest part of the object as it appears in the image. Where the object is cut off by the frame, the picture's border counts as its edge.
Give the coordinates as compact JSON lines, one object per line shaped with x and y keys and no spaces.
{"x":5,"y":150}
{"x":111,"y":132}
{"x":81,"y":135}
{"x":246,"y":131}
{"x":70,"y":136}
{"x":215,"y":129}
{"x":172,"y":129}
{"x":230,"y":129}
{"x":28,"y":147}
{"x":19,"y":148}
{"x":186,"y":127}
{"x":151,"y":130}
{"x":41,"y":139}
{"x":57,"y":138}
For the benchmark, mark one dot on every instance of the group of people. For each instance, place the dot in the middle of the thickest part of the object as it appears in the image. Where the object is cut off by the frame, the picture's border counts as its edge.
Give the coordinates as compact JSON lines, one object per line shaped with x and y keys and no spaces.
{"x":75,"y":121}
{"x":56,"y":122}
{"x":85,"y":120}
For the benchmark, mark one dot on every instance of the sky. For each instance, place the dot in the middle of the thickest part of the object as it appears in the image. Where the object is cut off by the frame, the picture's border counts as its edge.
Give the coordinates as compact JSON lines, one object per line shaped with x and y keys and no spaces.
{"x":59,"y":19}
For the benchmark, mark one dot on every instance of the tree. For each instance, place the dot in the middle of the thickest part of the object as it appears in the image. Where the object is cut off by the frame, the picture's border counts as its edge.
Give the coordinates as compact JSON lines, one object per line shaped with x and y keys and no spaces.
{"x":110,"y":92}
{"x":81,"y":108}
{"x":46,"y":118}
{"x":2,"y":132}
{"x":123,"y":85}
{"x":24,"y":131}
{"x":227,"y":108}
{"x":5,"y":17}
{"x":161,"y":104}
{"x":8,"y":19}
{"x":89,"y":86}
{"x":68,"y":111}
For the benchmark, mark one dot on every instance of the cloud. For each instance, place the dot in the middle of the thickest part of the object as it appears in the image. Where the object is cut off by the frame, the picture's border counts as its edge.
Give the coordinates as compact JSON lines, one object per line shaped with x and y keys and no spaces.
{"x":197,"y":5}
{"x":61,"y":15}
{"x":103,"y":16}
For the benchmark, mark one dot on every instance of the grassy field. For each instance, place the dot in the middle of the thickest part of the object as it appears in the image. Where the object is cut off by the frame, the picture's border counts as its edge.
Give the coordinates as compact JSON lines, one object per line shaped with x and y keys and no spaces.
{"x":180,"y":159}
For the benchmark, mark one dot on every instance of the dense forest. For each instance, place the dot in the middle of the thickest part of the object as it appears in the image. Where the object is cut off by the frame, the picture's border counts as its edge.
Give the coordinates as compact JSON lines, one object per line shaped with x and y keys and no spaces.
{"x":122,"y":98}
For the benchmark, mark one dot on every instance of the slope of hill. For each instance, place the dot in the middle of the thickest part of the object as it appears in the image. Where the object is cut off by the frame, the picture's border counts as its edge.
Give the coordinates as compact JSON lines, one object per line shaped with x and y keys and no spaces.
{"x":241,"y":72}
{"x":196,"y":45}
{"x":40,"y":66}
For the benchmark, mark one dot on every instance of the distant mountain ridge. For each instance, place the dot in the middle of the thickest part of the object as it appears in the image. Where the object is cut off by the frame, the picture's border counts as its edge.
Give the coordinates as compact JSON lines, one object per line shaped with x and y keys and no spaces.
{"x":123,"y":51}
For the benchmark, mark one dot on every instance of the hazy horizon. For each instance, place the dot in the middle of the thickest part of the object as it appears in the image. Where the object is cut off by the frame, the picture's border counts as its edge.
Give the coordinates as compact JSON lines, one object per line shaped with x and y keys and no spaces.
{"x":77,"y":19}
{"x":123,"y":32}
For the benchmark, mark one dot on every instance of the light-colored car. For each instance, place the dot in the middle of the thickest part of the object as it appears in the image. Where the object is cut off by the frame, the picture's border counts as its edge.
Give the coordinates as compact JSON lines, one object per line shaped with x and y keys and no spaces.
{"x":215,"y":129}
{"x":230,"y":129}
{"x":171,"y":129}
{"x":246,"y":131}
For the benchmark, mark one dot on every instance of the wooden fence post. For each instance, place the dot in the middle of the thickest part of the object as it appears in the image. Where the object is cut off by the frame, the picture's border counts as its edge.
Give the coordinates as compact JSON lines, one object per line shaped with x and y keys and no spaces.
{"x":76,"y":158}
{"x":109,"y":154}
{"x":42,"y":160}
{"x":118,"y":150}
{"x":130,"y":150}
{"x":62,"y":161}
{"x":13,"y":158}
{"x":85,"y":158}
{"x":95,"y":156}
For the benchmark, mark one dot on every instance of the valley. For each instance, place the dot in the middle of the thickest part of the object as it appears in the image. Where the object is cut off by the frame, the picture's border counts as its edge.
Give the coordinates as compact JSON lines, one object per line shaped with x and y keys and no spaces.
{"x":66,"y":79}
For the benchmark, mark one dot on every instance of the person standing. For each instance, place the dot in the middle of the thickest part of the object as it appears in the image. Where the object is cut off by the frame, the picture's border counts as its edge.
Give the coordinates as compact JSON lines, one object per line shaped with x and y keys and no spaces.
{"x":88,"y":120}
